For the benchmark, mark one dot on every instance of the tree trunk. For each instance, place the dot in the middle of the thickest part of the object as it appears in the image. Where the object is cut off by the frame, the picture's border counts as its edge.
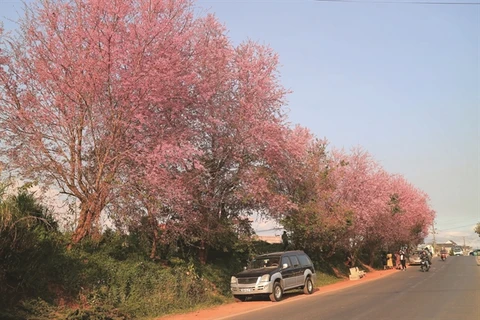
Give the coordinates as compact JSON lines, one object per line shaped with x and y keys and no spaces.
{"x":202,"y":256}
{"x":372,"y":258}
{"x":89,"y":214}
{"x":154,"y":226}
{"x":84,"y":226}
{"x":373,"y":252}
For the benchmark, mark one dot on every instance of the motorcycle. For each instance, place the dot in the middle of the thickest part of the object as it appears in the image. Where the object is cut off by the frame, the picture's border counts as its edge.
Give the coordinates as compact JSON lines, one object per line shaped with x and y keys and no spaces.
{"x":424,"y":265}
{"x":443,"y":256}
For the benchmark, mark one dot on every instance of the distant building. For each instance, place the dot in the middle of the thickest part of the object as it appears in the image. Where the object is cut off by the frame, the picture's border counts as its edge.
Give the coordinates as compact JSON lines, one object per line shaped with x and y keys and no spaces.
{"x":448,"y":245}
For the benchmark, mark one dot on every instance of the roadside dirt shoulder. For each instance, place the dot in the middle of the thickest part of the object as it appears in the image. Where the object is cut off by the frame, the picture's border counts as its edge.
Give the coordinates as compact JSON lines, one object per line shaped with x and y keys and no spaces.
{"x":230,"y":309}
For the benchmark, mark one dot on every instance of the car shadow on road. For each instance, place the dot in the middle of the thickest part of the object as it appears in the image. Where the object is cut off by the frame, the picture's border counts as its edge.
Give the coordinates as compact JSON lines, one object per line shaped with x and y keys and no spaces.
{"x":286,"y":295}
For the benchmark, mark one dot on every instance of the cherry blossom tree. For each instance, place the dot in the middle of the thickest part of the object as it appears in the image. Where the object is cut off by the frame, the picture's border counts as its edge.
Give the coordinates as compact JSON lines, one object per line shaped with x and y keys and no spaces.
{"x":412,"y":212}
{"x":90,"y":84}
{"x":313,"y":221}
{"x":142,"y":109}
{"x":241,"y":133}
{"x":361,"y":186}
{"x":386,"y":210}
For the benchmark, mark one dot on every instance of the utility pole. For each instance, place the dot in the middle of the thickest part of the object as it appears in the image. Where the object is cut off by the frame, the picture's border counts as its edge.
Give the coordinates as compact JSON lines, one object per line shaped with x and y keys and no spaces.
{"x":434,"y":240}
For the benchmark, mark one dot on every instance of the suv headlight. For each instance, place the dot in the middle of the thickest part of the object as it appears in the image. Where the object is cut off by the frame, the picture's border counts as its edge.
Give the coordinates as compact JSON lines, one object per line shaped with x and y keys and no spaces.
{"x":233,"y":280}
{"x":265,"y":278}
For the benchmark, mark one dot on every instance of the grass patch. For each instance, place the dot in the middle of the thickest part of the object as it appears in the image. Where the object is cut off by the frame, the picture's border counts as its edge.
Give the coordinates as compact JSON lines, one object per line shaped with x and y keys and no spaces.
{"x":324,"y":279}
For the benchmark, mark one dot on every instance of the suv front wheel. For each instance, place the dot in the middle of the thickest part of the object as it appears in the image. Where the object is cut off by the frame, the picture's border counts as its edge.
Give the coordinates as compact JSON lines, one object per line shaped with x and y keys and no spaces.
{"x":308,"y":288}
{"x":277,"y":292}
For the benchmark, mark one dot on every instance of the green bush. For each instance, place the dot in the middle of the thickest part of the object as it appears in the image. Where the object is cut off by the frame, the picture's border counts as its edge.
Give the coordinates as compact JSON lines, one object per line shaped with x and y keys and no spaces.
{"x":142,"y":288}
{"x":30,"y":249}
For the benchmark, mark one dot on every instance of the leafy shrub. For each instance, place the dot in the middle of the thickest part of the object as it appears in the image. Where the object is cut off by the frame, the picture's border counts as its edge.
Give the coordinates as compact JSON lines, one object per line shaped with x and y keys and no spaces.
{"x":28,"y":234}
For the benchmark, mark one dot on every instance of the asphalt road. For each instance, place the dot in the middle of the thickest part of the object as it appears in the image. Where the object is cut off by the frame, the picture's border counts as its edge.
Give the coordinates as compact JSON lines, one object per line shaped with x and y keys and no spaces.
{"x":449,"y":291}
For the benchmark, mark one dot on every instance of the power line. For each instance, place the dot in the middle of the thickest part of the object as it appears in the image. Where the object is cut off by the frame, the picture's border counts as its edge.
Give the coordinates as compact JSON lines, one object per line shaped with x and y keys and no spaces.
{"x":405,"y":2}
{"x":468,"y":225}
{"x":348,"y":1}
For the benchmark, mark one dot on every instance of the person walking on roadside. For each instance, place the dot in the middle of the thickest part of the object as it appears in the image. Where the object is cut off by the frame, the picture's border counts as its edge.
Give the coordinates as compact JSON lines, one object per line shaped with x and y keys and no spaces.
{"x":403,"y":260}
{"x":389,"y":261}
{"x":285,"y":240}
{"x":349,"y":259}
{"x":384,"y":260}
{"x":398,"y":265}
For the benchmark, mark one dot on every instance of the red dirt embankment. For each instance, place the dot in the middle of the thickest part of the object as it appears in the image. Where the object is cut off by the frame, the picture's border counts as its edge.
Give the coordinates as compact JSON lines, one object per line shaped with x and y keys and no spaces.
{"x":231,"y":309}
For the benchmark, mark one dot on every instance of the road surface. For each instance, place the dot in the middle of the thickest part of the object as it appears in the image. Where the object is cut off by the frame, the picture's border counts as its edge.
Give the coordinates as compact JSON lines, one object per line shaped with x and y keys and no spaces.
{"x":449,"y":291}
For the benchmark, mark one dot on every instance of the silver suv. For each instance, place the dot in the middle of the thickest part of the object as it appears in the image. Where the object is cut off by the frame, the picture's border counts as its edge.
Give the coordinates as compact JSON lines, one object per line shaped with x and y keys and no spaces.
{"x":273,"y":273}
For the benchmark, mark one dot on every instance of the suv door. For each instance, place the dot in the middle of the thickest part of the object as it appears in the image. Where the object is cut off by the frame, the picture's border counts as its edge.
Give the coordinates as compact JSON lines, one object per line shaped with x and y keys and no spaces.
{"x":288,"y":275}
{"x":306,"y":264}
{"x":297,"y":271}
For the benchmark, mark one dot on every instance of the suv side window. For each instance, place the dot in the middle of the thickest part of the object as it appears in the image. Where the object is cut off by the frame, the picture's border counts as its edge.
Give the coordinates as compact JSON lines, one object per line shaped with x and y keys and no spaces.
{"x":304,"y":260}
{"x":287,"y":261}
{"x":295,"y":261}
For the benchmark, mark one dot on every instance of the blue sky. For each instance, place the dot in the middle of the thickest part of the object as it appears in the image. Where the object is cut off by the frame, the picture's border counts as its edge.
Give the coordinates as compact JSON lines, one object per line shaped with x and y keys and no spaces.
{"x":400,"y":80}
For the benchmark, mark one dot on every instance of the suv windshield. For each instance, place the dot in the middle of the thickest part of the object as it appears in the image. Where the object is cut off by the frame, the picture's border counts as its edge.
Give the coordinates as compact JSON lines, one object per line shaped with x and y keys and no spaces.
{"x":264,"y":262}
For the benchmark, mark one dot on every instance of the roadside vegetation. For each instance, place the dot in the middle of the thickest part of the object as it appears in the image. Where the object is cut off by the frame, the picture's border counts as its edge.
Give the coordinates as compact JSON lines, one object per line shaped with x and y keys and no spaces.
{"x":111,"y":275}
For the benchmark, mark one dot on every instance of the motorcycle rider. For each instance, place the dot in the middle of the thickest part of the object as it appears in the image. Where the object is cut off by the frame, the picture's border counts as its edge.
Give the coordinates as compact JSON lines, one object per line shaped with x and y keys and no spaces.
{"x":425,"y":257}
{"x":428,"y":251}
{"x":443,"y":253}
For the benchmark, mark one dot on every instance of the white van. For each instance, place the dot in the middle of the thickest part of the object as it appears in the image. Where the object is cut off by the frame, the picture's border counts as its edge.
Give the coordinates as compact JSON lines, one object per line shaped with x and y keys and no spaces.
{"x":457,"y":251}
